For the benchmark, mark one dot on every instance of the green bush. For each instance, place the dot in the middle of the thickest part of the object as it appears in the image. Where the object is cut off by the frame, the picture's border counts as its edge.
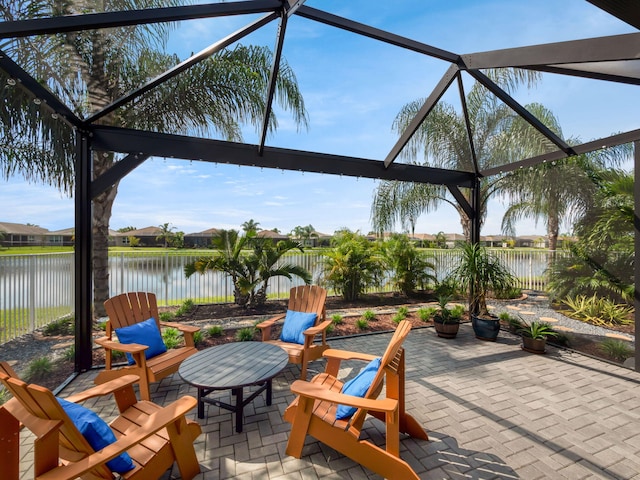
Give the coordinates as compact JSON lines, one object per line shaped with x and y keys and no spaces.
{"x":362,"y":324}
{"x":38,"y":369}
{"x":171,"y":337}
{"x":426,"y":313}
{"x":198,"y":337}
{"x":186,"y":307}
{"x":215,"y":331}
{"x":410,"y":268}
{"x":245,"y":334}
{"x":598,"y":310}
{"x":337,"y":319}
{"x":4,"y":395}
{"x":166,"y":316}
{"x":352,"y":265}
{"x":70,"y":353}
{"x":369,"y":315}
{"x":616,"y":349}
{"x":62,"y":326}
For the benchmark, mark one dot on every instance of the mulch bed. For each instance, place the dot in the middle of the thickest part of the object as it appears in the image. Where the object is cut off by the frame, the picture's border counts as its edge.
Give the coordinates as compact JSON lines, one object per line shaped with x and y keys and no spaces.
{"x":381,"y":322}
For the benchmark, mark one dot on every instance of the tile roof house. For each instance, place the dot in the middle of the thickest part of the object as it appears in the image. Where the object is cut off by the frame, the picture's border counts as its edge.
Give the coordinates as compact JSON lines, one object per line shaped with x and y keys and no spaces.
{"x":19,"y":235}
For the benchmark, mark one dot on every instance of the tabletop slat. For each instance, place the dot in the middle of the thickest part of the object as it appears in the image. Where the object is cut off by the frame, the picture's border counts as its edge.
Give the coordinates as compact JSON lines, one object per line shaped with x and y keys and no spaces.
{"x":232,"y":365}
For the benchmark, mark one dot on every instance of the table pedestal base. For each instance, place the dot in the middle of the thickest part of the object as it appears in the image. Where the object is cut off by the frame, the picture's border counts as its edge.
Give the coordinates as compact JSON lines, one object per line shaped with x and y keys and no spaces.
{"x":240,"y":403}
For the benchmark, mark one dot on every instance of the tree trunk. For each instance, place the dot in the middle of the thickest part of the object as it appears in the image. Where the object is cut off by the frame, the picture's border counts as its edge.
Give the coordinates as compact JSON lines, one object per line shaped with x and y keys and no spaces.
{"x":553,"y":226}
{"x":102,"y":206}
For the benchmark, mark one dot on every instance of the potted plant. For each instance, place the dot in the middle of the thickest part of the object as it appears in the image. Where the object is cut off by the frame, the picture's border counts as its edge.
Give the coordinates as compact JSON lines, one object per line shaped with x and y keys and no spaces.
{"x":478,"y":273}
{"x":446,"y":321}
{"x":534,"y":336}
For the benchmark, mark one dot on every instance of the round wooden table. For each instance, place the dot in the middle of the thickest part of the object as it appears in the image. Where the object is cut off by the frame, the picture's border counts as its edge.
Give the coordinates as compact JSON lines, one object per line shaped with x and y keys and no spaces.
{"x":233,"y":366}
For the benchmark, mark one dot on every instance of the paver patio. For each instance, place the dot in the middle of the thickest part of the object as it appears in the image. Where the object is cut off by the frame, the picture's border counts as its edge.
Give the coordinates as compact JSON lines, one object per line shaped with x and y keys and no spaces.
{"x":490,"y":409}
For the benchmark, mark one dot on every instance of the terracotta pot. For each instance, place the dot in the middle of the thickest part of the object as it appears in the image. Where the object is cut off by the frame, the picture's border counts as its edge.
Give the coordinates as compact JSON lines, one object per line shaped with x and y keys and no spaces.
{"x":485,"y":328}
{"x":446,"y":330}
{"x":534,"y":345}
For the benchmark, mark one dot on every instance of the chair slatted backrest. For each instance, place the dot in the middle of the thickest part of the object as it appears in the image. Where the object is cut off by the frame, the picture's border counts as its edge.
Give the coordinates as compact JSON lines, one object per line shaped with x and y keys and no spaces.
{"x":40,"y":403}
{"x":130,"y":308}
{"x":308,"y":299}
{"x":390,"y":364}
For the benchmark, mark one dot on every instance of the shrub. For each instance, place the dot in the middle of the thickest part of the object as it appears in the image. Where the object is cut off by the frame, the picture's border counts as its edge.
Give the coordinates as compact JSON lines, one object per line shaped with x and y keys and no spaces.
{"x":38,"y":369}
{"x":198,"y":337}
{"x":352,"y":265}
{"x":404,"y":311}
{"x":598,"y":311}
{"x":330,"y":328}
{"x":616,"y":349}
{"x":4,"y":395}
{"x":61,"y":326}
{"x":245,"y":334}
{"x":410,"y":268}
{"x":186,"y":307}
{"x":369,"y":315}
{"x":70,"y":353}
{"x":337,"y":319}
{"x":215,"y":331}
{"x":101,"y":325}
{"x":171,"y":337}
{"x":362,"y":324}
{"x":166,"y":316}
{"x":398,"y":317}
{"x":507,"y":293}
{"x":426,"y":313}
{"x":515,"y":323}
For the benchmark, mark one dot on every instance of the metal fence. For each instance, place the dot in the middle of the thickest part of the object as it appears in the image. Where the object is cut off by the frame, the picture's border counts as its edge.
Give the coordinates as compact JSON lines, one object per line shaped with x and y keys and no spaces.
{"x":38,"y":289}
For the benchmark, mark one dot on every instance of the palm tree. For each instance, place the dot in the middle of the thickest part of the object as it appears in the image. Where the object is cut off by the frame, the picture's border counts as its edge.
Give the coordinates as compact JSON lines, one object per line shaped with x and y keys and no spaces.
{"x":555,"y":192}
{"x":166,"y":234}
{"x":250,"y":271}
{"x":219,"y":94}
{"x":250,"y":226}
{"x":443,"y":142}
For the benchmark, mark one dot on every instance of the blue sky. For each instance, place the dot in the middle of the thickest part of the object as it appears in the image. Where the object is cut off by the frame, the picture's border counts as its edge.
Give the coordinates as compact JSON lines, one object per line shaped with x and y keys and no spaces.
{"x":353,"y":88}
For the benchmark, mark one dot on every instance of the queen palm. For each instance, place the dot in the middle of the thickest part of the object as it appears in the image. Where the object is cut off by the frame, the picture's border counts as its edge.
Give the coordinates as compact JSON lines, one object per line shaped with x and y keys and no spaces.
{"x":555,"y":192}
{"x":442,"y":141}
{"x":217,"y":95}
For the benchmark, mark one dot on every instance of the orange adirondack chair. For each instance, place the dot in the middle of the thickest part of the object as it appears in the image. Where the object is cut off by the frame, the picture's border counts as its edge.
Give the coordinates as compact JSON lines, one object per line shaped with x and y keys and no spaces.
{"x":154,"y":437}
{"x":307,"y":299}
{"x":128,"y":309}
{"x":313,"y":412}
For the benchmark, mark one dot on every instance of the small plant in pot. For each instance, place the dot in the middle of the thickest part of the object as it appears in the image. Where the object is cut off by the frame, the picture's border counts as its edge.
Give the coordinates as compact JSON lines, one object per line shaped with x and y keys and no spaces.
{"x":534,"y":336}
{"x":479,"y":273}
{"x":446,"y":321}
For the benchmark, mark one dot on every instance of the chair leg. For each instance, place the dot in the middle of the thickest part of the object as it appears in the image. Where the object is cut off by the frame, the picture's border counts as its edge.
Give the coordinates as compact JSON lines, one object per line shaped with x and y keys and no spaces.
{"x":9,"y":445}
{"x":182,"y":444}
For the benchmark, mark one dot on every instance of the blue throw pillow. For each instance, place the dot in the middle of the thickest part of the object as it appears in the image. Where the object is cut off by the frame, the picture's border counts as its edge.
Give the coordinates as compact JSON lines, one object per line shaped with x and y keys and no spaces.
{"x":144,"y":333}
{"x":97,"y":433}
{"x":294,"y":324}
{"x":358,"y":387}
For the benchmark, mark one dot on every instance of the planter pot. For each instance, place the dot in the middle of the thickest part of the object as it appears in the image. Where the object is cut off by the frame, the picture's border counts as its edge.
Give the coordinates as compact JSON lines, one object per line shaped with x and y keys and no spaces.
{"x":446,"y":330}
{"x":534,"y":345}
{"x":485,"y":328}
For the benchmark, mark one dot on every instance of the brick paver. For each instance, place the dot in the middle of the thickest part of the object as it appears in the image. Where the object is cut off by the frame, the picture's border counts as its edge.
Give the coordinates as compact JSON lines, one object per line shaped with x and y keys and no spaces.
{"x":492,"y":411}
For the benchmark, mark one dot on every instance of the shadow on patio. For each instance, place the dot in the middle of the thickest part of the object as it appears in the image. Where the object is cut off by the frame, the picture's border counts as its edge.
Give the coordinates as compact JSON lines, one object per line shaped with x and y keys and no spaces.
{"x":491,"y":411}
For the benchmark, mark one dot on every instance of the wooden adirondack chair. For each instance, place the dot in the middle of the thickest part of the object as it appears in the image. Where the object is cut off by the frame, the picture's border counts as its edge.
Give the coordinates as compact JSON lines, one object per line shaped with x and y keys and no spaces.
{"x":313,"y":412}
{"x":130,"y":308}
{"x":153,"y":436}
{"x":308,"y":299}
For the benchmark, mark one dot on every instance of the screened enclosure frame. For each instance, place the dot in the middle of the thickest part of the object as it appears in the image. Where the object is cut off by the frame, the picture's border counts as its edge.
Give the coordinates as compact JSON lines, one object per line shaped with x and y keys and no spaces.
{"x":609,"y":59}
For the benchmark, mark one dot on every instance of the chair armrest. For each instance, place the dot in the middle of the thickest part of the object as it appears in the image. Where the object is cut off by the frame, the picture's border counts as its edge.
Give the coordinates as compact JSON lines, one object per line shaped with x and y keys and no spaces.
{"x":318,"y":328}
{"x":317,"y":392}
{"x":265,"y":327}
{"x":181,"y":326}
{"x":156,"y":421}
{"x":106,"y":388}
{"x":269,"y":322}
{"x":347,"y":355}
{"x":123,"y":347}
